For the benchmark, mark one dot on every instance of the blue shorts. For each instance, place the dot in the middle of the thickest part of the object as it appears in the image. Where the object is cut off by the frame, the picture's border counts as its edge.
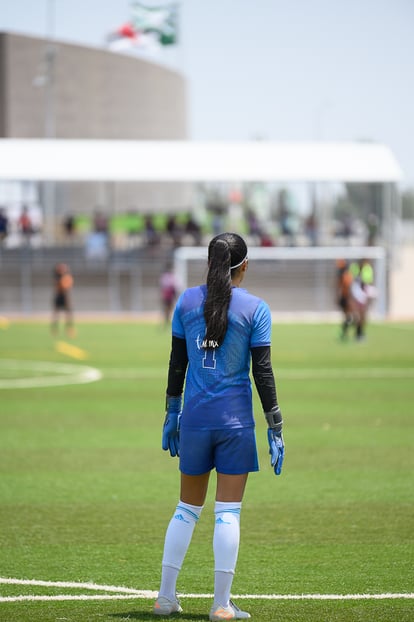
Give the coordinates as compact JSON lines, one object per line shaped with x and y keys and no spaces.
{"x":232,"y":451}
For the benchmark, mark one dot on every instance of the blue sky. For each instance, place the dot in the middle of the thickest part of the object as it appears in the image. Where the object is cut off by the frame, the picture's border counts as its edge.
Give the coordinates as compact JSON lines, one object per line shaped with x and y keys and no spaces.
{"x":274,"y":69}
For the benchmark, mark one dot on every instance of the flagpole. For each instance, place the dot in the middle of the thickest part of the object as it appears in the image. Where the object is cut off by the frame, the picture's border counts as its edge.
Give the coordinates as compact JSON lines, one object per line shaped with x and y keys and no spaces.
{"x":50,"y":55}
{"x":49,"y":188}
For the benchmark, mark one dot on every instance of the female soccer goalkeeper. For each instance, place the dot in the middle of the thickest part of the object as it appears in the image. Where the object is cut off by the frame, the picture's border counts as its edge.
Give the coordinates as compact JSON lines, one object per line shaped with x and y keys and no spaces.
{"x":218,"y":330}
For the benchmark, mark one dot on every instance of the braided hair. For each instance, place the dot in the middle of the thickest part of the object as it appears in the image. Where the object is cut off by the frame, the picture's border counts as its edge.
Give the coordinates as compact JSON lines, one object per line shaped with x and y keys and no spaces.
{"x":226,"y":253}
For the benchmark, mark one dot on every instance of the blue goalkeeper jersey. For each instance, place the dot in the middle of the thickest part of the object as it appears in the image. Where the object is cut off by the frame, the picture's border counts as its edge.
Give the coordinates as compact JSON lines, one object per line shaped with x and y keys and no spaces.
{"x":218,"y":391}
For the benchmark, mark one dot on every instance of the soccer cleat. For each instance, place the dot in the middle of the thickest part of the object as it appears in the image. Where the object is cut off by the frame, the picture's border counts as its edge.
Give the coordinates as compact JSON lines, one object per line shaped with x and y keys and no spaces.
{"x":164,"y":606}
{"x":232,"y":612}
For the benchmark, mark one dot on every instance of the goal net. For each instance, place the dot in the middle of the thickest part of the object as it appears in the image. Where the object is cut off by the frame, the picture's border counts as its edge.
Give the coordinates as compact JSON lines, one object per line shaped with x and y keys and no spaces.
{"x":293,"y":280}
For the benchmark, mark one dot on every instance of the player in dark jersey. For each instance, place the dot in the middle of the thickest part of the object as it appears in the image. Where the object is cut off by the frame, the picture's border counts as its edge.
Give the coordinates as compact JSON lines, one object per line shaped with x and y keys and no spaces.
{"x":344,"y":279}
{"x":62,"y":303}
{"x":219,"y":330}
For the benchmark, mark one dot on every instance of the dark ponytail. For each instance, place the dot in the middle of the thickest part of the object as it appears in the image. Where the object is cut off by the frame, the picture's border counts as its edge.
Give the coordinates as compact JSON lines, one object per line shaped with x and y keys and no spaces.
{"x":226,"y":252}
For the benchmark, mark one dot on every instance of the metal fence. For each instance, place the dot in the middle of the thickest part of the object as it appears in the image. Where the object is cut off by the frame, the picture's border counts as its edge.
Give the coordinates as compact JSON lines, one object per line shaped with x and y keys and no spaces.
{"x":291,"y":280}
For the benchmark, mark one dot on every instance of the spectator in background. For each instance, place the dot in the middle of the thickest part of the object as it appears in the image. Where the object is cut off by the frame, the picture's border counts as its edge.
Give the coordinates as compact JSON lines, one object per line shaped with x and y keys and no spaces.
{"x":4,"y":225}
{"x":69,"y":226}
{"x":372,"y":229}
{"x":311,"y":228}
{"x":168,"y":291}
{"x":62,"y":302}
{"x":97,"y":242}
{"x":287,"y":226}
{"x":151,"y":235}
{"x":25,"y":225}
{"x":218,"y":217}
{"x":100,"y":223}
{"x":193,"y":228}
{"x":347,"y":228}
{"x":253,"y":225}
{"x":266,"y":240}
{"x":173,"y":230}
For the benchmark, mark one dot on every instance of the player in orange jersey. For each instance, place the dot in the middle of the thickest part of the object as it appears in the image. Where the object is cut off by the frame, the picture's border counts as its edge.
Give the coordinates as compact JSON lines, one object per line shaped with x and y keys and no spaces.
{"x":63,"y":283}
{"x":344,"y":280}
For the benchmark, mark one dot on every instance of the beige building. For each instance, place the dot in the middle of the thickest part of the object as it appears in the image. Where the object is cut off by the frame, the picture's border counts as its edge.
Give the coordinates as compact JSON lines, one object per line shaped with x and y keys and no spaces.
{"x":60,"y":90}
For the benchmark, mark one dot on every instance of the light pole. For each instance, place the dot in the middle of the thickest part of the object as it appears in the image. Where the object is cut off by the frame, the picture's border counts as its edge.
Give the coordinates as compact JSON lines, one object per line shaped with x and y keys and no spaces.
{"x":50,"y":55}
{"x":49,"y":187}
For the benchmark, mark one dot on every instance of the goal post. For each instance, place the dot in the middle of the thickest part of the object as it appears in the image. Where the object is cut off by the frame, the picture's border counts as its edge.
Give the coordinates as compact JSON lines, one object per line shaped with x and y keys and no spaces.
{"x":293,"y":280}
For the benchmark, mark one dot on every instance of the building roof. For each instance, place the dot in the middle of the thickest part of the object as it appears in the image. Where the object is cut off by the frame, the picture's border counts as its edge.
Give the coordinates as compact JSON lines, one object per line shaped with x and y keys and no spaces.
{"x":130,"y":160}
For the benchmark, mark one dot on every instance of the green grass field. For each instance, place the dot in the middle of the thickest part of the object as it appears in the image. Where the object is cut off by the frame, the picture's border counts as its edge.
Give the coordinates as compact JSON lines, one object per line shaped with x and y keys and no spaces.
{"x":86,"y":492}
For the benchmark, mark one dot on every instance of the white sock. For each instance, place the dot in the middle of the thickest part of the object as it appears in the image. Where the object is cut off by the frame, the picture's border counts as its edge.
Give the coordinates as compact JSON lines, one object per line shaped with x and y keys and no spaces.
{"x":226,"y":549}
{"x":177,"y":541}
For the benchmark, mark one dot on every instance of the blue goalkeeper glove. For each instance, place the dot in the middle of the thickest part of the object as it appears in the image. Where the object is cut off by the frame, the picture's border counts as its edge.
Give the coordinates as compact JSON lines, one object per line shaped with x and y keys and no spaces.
{"x":276,"y":450}
{"x":171,"y":429}
{"x":275,"y":438}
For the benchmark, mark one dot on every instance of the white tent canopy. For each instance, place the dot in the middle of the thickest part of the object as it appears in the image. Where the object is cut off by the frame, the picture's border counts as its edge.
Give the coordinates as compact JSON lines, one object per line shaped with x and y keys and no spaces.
{"x":116,"y":160}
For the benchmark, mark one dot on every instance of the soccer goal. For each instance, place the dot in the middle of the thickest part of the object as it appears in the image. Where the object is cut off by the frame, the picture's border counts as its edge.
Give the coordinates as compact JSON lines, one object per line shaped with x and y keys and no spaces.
{"x":293,"y":280}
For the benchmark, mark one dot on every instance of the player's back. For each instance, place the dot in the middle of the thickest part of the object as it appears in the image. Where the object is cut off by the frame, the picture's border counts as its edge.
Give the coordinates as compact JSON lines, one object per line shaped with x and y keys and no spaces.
{"x":218,"y":387}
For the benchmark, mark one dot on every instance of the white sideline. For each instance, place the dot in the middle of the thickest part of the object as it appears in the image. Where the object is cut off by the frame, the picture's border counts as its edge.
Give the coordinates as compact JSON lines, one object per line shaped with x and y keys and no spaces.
{"x":61,"y":597}
{"x":126,"y":593}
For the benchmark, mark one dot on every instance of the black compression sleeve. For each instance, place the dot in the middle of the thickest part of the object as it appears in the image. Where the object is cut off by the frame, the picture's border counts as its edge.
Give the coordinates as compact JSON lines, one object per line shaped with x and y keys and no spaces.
{"x":263,"y":377}
{"x":177,"y":367}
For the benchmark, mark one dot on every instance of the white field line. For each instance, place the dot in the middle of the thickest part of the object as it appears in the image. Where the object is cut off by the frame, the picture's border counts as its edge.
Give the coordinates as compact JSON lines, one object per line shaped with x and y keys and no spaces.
{"x":60,"y":597}
{"x":354,"y":373}
{"x":125,"y":593}
{"x":69,"y":584}
{"x":152,"y":595}
{"x":48,"y":374}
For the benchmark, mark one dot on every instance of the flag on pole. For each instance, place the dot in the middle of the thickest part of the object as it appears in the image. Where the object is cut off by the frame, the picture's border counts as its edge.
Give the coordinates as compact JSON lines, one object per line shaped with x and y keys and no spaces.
{"x":160,"y":21}
{"x":122,"y":38}
{"x":149,"y":27}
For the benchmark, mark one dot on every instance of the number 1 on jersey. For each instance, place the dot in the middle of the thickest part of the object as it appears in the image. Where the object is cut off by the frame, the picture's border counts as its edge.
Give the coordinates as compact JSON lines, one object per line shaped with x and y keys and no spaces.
{"x":209,"y":359}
